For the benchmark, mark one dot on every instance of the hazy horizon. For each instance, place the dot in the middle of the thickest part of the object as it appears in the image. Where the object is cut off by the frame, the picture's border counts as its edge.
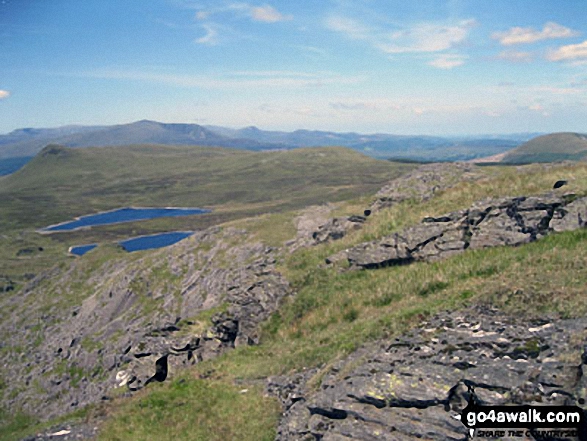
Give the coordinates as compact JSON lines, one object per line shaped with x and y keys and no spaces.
{"x":447,"y":135}
{"x":438,"y":68}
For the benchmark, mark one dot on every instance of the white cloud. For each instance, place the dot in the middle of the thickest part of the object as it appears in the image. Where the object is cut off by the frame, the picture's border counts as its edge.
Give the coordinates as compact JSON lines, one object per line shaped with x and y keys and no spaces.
{"x":267,"y":14}
{"x":515,"y":56}
{"x":423,"y":37}
{"x":428,"y":37}
{"x":519,"y":35}
{"x":264,"y":13}
{"x":4,"y":94}
{"x":211,"y":37}
{"x":569,"y":52}
{"x":447,"y":61}
{"x":351,"y":28}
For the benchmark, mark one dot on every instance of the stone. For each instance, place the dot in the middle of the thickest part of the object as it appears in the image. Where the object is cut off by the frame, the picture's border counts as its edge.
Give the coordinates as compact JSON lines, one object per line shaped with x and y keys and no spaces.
{"x":571,"y":216}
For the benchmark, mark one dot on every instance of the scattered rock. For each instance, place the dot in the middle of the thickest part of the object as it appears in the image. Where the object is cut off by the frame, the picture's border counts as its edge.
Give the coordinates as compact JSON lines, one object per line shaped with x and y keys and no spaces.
{"x":82,"y":431}
{"x":129,"y":330}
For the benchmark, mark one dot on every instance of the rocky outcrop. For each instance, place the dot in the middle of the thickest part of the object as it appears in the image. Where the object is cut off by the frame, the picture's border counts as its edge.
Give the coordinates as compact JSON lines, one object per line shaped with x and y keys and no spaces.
{"x":141,"y":320}
{"x":252,"y":295}
{"x":489,"y":223}
{"x":337,"y":228}
{"x":424,"y":182}
{"x":416,"y":386}
{"x":421,"y":184}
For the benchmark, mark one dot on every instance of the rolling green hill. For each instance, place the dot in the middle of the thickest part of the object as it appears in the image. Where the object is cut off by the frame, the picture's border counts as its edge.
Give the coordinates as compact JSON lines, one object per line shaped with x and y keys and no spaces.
{"x":60,"y":183}
{"x":550,"y":148}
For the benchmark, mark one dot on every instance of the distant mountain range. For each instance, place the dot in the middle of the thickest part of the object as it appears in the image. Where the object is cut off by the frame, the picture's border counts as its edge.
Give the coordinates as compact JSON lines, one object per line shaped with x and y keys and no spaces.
{"x":25,"y":143}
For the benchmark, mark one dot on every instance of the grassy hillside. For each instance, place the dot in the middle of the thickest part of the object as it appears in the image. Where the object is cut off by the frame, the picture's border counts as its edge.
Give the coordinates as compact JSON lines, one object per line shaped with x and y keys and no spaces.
{"x":549,"y":148}
{"x":61,"y":183}
{"x":334,"y":313}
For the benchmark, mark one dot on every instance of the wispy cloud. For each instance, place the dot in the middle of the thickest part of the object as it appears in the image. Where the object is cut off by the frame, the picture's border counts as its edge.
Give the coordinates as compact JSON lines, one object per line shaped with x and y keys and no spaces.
{"x":447,"y":61}
{"x":4,"y":94}
{"x":515,"y":56}
{"x":237,"y":79}
{"x":519,"y":35}
{"x":264,"y":13}
{"x":311,"y":51}
{"x":348,"y":26}
{"x":211,"y":37}
{"x":569,"y":53}
{"x":428,"y":37}
{"x":380,"y":104}
{"x":431,"y":37}
{"x":539,"y":109}
{"x":267,"y":14}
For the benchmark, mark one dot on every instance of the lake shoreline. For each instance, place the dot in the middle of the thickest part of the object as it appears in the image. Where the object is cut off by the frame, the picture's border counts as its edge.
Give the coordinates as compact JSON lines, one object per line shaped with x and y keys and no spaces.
{"x":47,"y":230}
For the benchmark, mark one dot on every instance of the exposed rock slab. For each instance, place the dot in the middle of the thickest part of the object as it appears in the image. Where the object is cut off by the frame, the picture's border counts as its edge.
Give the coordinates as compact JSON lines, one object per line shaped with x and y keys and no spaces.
{"x":488,"y":223}
{"x":414,"y":386}
{"x":420,"y":184}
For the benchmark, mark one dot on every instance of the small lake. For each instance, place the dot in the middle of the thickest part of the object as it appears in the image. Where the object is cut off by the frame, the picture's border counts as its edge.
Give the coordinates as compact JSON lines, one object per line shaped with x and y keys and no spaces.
{"x":139,"y":243}
{"x":154,"y":241}
{"x":10,"y":165}
{"x":123,"y":215}
{"x":80,"y":250}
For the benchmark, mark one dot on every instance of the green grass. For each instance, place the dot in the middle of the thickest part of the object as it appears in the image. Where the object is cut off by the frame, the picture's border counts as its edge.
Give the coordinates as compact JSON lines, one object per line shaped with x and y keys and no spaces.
{"x":335,"y":312}
{"x":60,"y":183}
{"x":16,"y":426}
{"x":57,"y":186}
{"x":195,"y":409}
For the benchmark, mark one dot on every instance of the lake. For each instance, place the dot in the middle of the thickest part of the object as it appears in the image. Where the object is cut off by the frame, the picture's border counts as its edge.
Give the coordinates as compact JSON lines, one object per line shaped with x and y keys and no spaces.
{"x":80,"y":250}
{"x":10,"y":165}
{"x":154,"y":241}
{"x":123,"y":215}
{"x":140,"y":243}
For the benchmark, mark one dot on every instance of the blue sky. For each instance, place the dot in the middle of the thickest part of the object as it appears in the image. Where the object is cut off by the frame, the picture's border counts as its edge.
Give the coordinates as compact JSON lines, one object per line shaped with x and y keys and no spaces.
{"x":407,"y":67}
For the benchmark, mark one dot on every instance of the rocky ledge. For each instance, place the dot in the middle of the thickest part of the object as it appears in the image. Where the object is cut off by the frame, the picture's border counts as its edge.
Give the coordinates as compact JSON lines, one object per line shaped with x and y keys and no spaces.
{"x":415,"y":386}
{"x":488,"y":223}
